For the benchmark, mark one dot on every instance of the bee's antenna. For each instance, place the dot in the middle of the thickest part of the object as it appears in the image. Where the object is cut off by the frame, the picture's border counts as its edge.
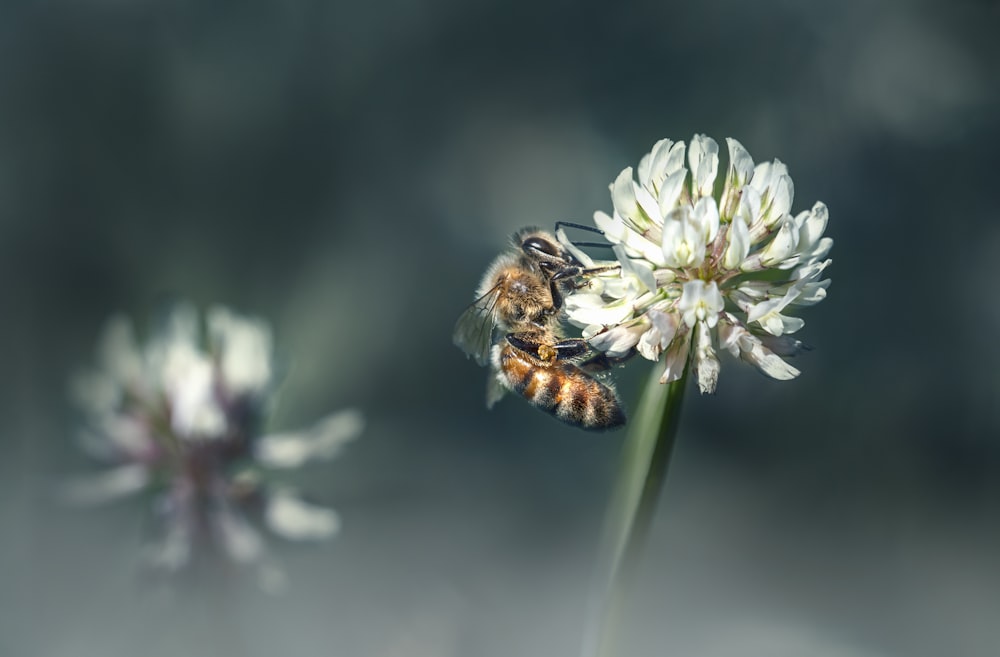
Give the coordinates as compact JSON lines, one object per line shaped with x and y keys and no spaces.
{"x":604,"y":245}
{"x":570,"y":224}
{"x":599,"y":244}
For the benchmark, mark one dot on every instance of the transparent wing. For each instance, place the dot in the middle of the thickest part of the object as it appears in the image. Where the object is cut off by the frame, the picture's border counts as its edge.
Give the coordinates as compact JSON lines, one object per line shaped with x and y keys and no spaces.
{"x":494,"y":390}
{"x":474,"y":328}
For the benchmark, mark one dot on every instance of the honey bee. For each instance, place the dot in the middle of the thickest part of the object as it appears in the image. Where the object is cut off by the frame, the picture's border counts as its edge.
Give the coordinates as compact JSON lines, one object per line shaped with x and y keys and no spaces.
{"x":513,"y":326}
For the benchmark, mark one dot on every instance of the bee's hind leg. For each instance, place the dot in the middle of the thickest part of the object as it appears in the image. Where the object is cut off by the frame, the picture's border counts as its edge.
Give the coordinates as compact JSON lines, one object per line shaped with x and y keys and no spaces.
{"x":562,"y":350}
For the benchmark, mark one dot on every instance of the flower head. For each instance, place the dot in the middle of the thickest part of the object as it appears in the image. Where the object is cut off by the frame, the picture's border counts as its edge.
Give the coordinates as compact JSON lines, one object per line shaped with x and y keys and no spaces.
{"x":704,"y":268}
{"x":179,"y":416}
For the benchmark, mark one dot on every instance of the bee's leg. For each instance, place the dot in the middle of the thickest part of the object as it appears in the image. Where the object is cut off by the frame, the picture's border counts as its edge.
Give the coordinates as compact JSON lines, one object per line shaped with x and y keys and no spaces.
{"x":563,"y":350}
{"x":570,"y":349}
{"x":563,"y":275}
{"x":573,"y":271}
{"x":556,"y":276}
{"x":601,"y":362}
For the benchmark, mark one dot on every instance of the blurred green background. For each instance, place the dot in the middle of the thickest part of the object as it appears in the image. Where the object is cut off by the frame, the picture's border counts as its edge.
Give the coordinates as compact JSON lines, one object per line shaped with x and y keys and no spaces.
{"x":347,"y":171}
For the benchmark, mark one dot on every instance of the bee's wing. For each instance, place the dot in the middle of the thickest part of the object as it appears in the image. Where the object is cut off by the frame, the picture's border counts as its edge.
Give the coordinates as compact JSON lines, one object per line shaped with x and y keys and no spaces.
{"x":494,"y":390}
{"x":474,"y":328}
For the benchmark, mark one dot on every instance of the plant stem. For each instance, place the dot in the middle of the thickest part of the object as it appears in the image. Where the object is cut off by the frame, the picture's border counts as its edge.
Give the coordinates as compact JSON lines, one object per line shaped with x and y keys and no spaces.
{"x":643,"y":468}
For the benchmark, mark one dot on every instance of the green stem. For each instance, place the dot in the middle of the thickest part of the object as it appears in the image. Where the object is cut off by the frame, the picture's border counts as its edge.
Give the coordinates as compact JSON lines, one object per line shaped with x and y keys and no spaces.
{"x":645,"y":458}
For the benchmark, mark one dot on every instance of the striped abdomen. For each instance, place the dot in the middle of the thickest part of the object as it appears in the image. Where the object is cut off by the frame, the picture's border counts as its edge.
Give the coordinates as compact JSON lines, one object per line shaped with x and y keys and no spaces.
{"x":559,"y":388}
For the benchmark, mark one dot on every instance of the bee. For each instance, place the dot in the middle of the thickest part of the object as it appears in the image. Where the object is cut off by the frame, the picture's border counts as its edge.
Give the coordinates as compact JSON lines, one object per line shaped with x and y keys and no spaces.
{"x":513,"y":326}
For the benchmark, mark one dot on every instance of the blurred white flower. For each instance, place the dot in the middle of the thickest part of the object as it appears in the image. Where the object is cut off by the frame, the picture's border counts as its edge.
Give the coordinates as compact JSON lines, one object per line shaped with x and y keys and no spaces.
{"x":718,"y":270}
{"x":179,"y":416}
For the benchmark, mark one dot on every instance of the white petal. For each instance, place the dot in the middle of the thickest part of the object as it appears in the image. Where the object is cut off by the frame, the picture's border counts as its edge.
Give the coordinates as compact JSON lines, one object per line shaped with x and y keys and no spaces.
{"x":615,"y":288}
{"x":821,"y":249}
{"x":703,"y":157}
{"x":244,"y":347}
{"x":670,"y":191}
{"x":97,"y":445}
{"x":756,"y":290}
{"x":781,"y":201}
{"x":766,"y":361}
{"x":664,"y":277}
{"x":614,"y":228}
{"x":179,"y":328}
{"x":575,"y":251}
{"x":765,"y":176}
{"x":618,"y":340}
{"x":749,"y":208}
{"x":284,"y":450}
{"x":790,"y":324}
{"x":740,"y":163}
{"x":645,"y":167}
{"x":675,"y":159}
{"x":812,"y":293}
{"x":777,"y":324}
{"x":662,"y":161}
{"x":322,"y":441}
{"x":804,"y":287}
{"x":641,"y":270}
{"x":624,"y":200}
{"x":810,"y":272}
{"x":666,"y":323}
{"x":189,"y":381}
{"x":335,"y":430}
{"x":706,"y":363}
{"x":683,"y":239}
{"x":173,"y":551}
{"x":648,"y":205}
{"x":617,"y":232}
{"x":737,"y":244}
{"x":773,"y":185}
{"x":737,"y":176}
{"x":584,"y":300}
{"x":586,"y":309}
{"x":241,"y":542}
{"x":658,"y":337}
{"x":649,"y":345}
{"x":813,"y":224}
{"x":740,"y":342}
{"x":783,"y":244}
{"x":730,"y":332}
{"x":784,"y":345}
{"x":763,"y":308}
{"x":700,"y":301}
{"x":117,"y":352}
{"x":645,"y":248}
{"x":105,"y":486}
{"x":705,"y":215}
{"x":290,"y":517}
{"x":131,"y":437}
{"x":96,"y":393}
{"x":676,"y":359}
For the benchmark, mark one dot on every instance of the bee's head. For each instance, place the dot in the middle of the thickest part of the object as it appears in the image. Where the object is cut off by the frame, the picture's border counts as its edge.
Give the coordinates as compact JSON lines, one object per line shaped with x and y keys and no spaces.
{"x":541,"y":247}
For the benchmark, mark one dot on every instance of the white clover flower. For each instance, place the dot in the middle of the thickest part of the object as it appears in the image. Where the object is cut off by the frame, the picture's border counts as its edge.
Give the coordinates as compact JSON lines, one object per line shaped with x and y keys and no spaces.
{"x":715,"y":270}
{"x":179,"y":416}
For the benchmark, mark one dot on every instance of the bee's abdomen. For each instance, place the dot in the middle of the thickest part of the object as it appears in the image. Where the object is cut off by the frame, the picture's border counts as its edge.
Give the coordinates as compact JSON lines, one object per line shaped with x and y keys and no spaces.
{"x":562,"y":389}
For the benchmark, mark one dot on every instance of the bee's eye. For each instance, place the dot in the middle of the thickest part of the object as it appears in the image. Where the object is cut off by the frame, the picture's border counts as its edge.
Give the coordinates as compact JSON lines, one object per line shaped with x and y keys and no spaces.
{"x":537,"y":244}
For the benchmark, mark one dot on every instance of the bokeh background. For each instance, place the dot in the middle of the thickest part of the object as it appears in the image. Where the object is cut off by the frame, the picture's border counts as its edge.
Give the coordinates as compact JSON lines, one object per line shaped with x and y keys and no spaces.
{"x":347,"y":170}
